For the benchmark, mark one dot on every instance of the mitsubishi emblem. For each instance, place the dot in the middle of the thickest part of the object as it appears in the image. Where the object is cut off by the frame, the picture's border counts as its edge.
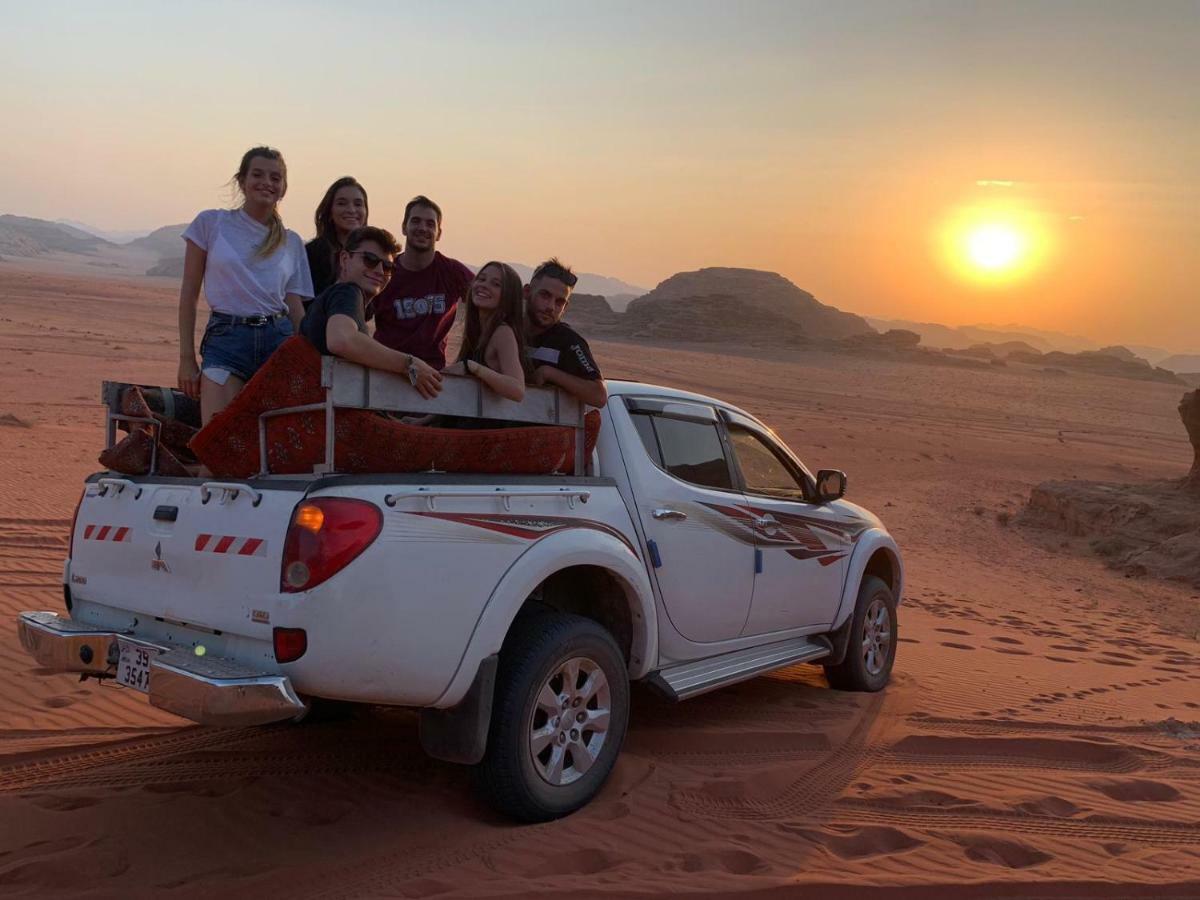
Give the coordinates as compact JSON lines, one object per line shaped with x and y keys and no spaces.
{"x":158,"y":564}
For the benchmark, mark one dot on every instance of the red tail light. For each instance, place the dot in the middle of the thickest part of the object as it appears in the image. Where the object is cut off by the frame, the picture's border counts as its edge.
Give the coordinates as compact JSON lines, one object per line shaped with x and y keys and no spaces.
{"x":290,"y":644}
{"x":325,"y":536}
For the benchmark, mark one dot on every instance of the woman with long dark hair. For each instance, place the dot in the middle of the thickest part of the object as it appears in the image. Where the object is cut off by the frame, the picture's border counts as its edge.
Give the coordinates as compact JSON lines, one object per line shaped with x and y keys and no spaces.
{"x":342,"y":209}
{"x":255,"y":277}
{"x":493,"y":347}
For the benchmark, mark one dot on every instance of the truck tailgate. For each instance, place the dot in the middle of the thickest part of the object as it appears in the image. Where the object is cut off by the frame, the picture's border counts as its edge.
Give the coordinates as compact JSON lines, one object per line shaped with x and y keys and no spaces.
{"x":205,"y":554}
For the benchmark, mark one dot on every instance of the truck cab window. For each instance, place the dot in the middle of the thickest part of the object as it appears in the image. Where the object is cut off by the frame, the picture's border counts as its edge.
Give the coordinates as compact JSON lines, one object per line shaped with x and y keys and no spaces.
{"x":763,"y":470}
{"x":645,"y":430}
{"x":692,"y":451}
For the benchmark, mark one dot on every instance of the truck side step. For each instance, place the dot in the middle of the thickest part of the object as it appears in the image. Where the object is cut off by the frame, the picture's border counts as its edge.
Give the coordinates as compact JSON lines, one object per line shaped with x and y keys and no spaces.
{"x":690,"y":679}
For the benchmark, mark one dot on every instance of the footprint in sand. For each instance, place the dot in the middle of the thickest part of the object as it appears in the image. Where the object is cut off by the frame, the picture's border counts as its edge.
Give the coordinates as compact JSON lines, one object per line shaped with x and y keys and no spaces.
{"x":954,"y":646}
{"x":735,"y":862}
{"x":857,"y":841}
{"x":1137,"y":790}
{"x":952,"y":631}
{"x":1010,"y":854}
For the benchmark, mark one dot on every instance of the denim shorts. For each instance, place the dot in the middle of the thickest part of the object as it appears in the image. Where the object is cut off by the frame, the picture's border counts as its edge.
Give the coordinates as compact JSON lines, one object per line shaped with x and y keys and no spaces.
{"x":240,"y":349}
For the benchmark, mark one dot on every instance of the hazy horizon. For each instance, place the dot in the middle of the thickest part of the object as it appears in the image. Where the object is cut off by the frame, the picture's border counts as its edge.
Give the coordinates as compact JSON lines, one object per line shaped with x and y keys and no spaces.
{"x":834,"y":144}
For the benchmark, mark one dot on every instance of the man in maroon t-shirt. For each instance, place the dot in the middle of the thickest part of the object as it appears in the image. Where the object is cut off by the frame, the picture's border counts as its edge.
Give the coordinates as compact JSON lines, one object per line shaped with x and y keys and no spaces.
{"x":415,"y":312}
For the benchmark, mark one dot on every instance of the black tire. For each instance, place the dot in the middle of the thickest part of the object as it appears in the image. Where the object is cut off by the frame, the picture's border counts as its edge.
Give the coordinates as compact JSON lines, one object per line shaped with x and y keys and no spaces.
{"x":859,"y":671}
{"x":534,"y":656}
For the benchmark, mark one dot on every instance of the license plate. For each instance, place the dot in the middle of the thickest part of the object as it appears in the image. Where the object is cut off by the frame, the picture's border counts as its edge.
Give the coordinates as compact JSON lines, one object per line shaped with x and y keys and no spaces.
{"x":133,"y":670}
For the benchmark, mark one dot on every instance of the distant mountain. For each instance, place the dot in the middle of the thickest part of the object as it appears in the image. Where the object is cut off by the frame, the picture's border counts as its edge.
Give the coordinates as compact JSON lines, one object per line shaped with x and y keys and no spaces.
{"x":1181,"y":363}
{"x":116,"y":237}
{"x":589,"y":283}
{"x":1055,"y":340}
{"x":620,"y":302}
{"x":26,"y":237}
{"x":716,"y":303}
{"x":963,"y":337}
{"x":165,"y":242}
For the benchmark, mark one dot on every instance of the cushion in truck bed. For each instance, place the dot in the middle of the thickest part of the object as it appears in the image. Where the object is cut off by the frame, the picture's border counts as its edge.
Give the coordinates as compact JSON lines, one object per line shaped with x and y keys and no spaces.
{"x":131,"y":455}
{"x":367,"y":442}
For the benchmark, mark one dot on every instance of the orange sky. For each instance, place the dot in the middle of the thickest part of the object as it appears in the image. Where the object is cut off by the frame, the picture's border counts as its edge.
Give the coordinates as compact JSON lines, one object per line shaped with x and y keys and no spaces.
{"x":829,"y":142}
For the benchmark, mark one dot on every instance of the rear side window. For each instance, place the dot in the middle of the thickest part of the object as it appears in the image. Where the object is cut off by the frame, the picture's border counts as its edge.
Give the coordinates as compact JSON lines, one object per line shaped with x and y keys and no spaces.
{"x":645,"y":430}
{"x":689,"y":450}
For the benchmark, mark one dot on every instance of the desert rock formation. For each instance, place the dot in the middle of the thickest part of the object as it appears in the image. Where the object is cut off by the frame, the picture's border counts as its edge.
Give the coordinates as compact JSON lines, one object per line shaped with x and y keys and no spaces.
{"x":1189,"y":412}
{"x":727,"y":294}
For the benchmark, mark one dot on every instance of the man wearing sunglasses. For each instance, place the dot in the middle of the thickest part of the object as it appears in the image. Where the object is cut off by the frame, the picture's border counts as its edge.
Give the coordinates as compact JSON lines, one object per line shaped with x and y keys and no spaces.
{"x":415,"y":312}
{"x":336,"y":321}
{"x":556,"y":351}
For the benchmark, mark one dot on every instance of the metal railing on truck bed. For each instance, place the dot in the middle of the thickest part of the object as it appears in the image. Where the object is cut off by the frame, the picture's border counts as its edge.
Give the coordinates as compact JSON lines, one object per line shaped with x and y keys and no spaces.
{"x":348,"y":385}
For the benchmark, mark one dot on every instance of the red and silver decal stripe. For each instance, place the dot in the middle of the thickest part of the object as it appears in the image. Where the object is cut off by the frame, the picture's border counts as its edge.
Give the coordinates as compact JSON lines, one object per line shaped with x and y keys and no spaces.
{"x":117,"y":534}
{"x":230,"y":544}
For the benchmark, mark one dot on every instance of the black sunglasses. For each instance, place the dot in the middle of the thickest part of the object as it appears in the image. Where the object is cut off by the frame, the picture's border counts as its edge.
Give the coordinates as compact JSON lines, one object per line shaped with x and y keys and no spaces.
{"x":372,"y":260}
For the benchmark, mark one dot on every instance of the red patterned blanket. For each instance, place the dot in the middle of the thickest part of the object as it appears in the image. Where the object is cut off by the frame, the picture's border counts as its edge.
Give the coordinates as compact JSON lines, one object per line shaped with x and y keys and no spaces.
{"x":367,"y":442}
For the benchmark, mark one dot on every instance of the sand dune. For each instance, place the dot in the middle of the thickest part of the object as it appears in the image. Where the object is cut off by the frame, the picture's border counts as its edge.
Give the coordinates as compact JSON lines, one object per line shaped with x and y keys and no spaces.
{"x":1041,"y":736}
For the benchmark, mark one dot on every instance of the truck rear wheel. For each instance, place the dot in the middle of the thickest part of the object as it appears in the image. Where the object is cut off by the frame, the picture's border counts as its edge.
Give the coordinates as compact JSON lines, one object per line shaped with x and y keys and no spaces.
{"x":558,"y":718}
{"x":872,"y":647}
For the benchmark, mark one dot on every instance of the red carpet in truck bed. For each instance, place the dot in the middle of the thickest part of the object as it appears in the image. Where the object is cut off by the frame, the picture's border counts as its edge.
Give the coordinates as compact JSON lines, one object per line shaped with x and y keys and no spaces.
{"x":366,"y":441}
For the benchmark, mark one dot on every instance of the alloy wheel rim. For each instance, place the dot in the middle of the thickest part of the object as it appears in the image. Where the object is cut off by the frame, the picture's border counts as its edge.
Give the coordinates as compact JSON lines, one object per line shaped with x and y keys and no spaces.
{"x":876,"y":637}
{"x":569,"y":724}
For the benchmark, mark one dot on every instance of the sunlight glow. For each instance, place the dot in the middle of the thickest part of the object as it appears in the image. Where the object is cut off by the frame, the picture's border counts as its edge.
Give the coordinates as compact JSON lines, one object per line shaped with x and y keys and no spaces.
{"x":995,"y":243}
{"x":994,"y":246}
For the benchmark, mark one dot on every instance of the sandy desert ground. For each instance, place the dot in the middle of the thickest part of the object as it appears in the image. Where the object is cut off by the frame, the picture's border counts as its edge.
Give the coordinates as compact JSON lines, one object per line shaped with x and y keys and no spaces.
{"x":1041,"y":737}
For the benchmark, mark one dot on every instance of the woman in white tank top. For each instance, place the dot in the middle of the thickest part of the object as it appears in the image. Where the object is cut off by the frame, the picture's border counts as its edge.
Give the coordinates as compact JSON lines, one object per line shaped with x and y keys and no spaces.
{"x":255,"y":276}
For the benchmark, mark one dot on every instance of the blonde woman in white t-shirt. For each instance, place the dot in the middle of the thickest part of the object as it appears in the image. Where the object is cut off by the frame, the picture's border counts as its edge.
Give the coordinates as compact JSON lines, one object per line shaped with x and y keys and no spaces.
{"x":256,"y":278}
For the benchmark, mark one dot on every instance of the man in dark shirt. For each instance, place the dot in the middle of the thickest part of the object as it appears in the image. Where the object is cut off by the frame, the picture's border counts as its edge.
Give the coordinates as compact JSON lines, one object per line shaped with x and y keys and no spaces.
{"x":415,"y":312}
{"x":556,"y":351}
{"x":336,"y":323}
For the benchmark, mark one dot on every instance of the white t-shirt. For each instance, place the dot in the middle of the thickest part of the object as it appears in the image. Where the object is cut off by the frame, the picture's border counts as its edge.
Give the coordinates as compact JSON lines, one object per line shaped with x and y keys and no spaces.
{"x":236,"y":280}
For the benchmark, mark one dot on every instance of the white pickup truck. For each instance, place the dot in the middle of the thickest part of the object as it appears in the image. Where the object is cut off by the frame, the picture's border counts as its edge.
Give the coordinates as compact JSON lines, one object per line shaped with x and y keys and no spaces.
{"x":513,"y":612}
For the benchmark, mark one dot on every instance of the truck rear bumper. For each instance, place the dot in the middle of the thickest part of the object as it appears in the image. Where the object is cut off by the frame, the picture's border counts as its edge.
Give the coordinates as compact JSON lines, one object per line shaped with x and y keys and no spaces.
{"x":209,"y":690}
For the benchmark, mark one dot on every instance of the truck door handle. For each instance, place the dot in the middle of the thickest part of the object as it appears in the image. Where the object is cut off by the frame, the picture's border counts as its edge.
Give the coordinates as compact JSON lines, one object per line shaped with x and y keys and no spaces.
{"x":669,"y":514}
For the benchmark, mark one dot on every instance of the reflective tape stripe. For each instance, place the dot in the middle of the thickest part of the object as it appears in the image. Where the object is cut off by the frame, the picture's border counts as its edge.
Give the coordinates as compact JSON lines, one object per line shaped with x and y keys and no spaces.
{"x":201,"y":540}
{"x":223,"y":544}
{"x":250,"y":546}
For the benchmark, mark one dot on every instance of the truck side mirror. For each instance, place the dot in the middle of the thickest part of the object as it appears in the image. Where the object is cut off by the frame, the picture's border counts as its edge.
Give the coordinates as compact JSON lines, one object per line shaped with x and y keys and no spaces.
{"x":831,"y":485}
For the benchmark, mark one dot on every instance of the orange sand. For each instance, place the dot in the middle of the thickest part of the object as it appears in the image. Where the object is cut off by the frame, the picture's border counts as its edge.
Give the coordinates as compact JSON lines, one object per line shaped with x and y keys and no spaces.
{"x":1040,"y":737}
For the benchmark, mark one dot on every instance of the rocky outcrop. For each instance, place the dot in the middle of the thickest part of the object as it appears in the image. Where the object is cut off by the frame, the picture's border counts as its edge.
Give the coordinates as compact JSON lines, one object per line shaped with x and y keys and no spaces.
{"x":1142,"y":529}
{"x":590,"y":312}
{"x":167,"y":268}
{"x":1149,"y":529}
{"x":736,"y":294}
{"x":712,"y":318}
{"x":1189,"y":412}
{"x":1097,"y":363}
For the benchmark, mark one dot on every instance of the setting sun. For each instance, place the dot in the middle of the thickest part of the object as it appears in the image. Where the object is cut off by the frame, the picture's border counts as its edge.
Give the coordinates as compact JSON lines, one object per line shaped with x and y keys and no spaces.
{"x":995,"y":247}
{"x":997,"y":242}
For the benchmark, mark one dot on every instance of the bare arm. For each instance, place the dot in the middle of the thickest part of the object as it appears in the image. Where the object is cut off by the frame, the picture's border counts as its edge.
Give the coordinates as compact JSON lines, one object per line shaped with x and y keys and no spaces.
{"x":509,"y":382}
{"x":343,"y":339}
{"x":189,"y":297}
{"x":593,"y":393}
{"x":295,"y":305}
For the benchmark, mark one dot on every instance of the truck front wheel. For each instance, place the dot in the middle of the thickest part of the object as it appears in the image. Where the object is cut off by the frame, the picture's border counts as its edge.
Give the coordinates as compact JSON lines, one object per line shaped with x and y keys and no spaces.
{"x":558,"y":719}
{"x":872,"y":647}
